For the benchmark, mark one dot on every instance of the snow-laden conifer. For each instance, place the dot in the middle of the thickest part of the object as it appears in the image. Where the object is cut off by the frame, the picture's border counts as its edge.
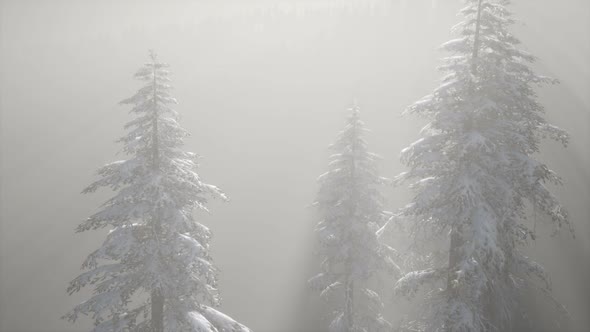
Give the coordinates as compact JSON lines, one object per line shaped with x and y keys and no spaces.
{"x":153,"y":272}
{"x":351,"y":208}
{"x":476,"y":175}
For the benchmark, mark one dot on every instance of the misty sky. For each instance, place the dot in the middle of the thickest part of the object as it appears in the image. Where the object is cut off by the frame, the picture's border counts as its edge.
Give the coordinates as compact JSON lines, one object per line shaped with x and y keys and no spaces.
{"x":264,"y":87}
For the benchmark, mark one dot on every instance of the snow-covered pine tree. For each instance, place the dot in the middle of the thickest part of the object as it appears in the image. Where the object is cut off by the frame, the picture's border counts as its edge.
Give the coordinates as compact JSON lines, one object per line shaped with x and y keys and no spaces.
{"x":353,"y":219}
{"x":476,"y":175}
{"x":153,"y":272}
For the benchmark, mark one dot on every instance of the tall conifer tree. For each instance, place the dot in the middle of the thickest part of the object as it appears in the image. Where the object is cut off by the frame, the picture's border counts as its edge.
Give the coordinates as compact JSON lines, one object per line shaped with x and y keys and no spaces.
{"x":153,"y":273}
{"x":476,"y":174}
{"x":351,"y":208}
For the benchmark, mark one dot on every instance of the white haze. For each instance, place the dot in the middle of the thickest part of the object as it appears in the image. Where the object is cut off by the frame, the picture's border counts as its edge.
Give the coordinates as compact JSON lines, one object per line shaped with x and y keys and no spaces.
{"x":263,"y":86}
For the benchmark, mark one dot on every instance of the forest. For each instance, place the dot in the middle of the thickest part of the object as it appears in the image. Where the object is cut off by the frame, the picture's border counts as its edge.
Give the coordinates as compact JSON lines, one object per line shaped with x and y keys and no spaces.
{"x":295,"y":166}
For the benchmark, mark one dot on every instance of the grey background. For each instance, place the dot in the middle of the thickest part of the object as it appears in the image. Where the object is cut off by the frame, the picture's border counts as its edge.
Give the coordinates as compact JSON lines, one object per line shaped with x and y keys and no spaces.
{"x":263,"y":93}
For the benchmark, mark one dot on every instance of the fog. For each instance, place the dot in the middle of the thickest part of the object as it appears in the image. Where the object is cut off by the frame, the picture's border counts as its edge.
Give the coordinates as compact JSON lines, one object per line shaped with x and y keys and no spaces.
{"x":264,"y":87}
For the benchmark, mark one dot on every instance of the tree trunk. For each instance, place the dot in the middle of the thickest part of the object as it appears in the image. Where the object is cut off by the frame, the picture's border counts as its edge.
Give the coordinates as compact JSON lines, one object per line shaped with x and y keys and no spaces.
{"x":155,"y":143}
{"x":349,"y":305}
{"x":156,"y":297}
{"x":454,"y":257}
{"x":157,"y":312}
{"x":349,"y":291}
{"x":476,"y":39}
{"x":454,"y":260}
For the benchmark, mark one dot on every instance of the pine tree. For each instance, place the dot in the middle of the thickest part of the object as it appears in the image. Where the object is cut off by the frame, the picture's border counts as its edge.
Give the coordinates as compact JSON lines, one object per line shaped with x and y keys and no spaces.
{"x":353,"y":219}
{"x":476,"y":175}
{"x":153,"y":272}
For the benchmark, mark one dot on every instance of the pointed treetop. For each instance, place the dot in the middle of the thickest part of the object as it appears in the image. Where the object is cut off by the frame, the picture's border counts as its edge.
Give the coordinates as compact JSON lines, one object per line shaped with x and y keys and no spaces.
{"x":153,"y":55}
{"x":355,"y":108}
